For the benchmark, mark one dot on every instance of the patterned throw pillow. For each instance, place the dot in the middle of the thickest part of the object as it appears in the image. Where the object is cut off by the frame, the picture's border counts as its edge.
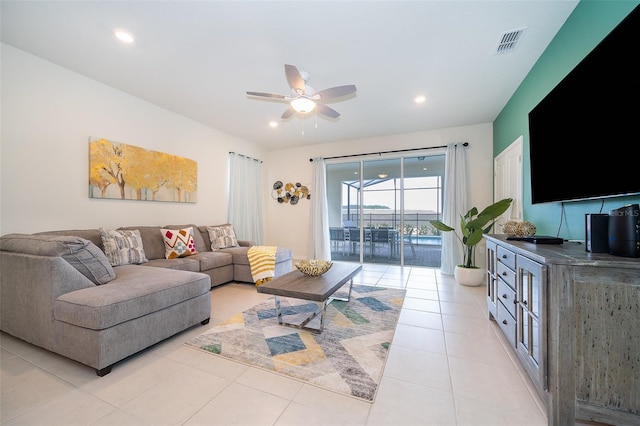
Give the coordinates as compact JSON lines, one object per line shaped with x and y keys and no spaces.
{"x":178,"y":242}
{"x":123,"y":247}
{"x":222,"y":236}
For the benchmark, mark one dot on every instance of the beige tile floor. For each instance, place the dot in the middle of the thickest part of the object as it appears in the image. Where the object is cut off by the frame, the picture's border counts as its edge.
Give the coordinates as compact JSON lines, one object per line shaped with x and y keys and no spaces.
{"x":447,"y":366}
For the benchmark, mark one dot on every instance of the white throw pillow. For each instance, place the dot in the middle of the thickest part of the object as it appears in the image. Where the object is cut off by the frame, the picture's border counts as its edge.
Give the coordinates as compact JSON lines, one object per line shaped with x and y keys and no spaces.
{"x":178,"y":242}
{"x":123,"y":247}
{"x":222,"y":236}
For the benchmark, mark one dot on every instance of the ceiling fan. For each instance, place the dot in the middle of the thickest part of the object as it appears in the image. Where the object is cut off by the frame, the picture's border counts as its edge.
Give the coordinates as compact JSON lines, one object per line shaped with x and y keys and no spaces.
{"x":304,"y":98}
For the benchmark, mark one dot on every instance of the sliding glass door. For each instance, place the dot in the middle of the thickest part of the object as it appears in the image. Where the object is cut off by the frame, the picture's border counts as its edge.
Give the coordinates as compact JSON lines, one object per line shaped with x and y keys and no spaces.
{"x":379,"y":210}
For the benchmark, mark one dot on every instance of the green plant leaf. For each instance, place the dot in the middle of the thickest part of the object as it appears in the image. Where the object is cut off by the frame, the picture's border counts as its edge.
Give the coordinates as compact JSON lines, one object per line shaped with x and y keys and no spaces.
{"x":463,"y":227}
{"x":478,"y":222}
{"x":441,"y":226}
{"x":475,"y":237}
{"x":472,"y":224}
{"x":497,"y":208}
{"x":488,"y":228}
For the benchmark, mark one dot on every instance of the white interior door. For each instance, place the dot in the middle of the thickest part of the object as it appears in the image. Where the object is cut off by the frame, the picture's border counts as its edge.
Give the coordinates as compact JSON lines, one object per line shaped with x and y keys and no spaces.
{"x":507,"y":168}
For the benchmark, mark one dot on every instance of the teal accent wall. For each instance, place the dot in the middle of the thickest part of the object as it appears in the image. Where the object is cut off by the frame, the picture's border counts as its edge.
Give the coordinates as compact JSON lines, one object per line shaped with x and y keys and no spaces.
{"x":589,"y":23}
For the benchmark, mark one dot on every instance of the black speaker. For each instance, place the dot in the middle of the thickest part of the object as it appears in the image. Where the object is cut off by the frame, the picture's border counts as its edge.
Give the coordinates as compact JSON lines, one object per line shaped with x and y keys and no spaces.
{"x":624,"y":231}
{"x":597,"y":232}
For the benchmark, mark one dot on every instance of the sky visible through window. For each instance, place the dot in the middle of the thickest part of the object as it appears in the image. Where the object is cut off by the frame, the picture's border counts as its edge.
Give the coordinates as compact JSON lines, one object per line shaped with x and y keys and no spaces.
{"x":421,"y":194}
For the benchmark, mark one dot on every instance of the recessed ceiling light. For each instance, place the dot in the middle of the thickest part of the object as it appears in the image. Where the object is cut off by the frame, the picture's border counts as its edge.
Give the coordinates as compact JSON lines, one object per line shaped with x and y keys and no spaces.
{"x":123,"y":36}
{"x":420,"y":99}
{"x":273,"y":124}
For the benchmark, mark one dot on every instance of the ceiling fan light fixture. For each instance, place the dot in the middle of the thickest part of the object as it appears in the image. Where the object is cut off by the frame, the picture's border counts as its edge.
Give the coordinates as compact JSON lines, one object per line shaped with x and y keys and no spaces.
{"x":123,"y":36}
{"x":304,"y":98}
{"x":303,"y":105}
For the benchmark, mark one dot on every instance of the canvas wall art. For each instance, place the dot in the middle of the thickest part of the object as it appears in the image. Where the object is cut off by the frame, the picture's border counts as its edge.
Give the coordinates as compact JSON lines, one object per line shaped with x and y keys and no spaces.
{"x":127,"y":172}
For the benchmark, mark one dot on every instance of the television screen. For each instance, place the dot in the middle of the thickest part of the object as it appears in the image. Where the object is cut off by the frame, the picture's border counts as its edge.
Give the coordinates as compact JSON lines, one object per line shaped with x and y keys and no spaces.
{"x":584,"y":136}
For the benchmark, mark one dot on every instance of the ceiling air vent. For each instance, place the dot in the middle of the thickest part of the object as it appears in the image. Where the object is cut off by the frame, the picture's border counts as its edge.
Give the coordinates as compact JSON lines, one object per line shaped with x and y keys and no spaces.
{"x":509,"y":41}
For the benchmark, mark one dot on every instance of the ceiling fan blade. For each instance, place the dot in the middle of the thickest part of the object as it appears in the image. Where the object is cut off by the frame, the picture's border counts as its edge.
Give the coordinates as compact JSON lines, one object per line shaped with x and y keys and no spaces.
{"x":294,"y":78}
{"x":288,"y":113}
{"x":336,"y":92}
{"x":266,"y":95}
{"x":329,"y":112}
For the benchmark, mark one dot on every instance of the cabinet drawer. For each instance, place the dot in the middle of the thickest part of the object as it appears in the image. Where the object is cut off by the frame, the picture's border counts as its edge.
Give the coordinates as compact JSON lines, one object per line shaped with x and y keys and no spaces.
{"x":507,"y":296}
{"x":506,"y":257}
{"x":507,"y":275}
{"x":507,"y":324}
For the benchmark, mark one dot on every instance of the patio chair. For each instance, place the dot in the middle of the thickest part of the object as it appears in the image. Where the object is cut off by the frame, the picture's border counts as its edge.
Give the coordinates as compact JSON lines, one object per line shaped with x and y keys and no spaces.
{"x":354,"y":238}
{"x":338,"y":236}
{"x":381,"y":236}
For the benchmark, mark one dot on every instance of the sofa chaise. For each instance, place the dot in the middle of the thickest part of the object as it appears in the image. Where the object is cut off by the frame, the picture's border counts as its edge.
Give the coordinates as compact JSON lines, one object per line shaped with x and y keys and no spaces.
{"x":61,"y":291}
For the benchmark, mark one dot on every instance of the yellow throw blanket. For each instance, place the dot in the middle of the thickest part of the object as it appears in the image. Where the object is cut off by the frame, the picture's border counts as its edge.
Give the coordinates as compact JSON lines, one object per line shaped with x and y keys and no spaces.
{"x":262,"y":260}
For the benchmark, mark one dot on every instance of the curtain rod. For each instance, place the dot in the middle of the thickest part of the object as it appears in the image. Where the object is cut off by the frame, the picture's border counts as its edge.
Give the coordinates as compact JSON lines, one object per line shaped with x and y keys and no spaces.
{"x":387,"y":152}
{"x":245,"y":156}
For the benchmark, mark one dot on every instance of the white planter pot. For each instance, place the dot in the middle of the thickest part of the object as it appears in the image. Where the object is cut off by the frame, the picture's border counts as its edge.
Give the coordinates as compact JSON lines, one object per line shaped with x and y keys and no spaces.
{"x":469,"y":276}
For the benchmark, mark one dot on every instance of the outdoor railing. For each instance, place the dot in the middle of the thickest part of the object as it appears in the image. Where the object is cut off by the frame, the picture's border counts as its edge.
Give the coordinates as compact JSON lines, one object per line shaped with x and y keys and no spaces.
{"x":414,"y":223}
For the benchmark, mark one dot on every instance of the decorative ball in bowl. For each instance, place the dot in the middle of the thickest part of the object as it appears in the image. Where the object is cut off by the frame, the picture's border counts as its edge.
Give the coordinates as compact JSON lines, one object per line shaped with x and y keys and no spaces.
{"x":314,"y":267}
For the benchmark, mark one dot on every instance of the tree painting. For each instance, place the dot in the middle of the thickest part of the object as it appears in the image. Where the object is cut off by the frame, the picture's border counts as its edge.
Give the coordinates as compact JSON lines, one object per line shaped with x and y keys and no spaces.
{"x":128,"y":172}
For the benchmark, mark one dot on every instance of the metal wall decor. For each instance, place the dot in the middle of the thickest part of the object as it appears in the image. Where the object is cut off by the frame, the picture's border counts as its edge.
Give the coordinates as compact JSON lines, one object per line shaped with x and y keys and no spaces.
{"x":290,"y":193}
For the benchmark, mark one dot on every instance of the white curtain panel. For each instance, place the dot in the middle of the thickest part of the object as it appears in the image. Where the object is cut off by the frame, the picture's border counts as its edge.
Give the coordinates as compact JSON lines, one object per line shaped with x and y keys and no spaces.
{"x":245,"y":198}
{"x":320,"y":242}
{"x":454,"y":205}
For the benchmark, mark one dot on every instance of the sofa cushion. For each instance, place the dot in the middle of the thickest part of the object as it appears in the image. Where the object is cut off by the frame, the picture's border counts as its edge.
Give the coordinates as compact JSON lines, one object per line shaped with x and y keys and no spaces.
{"x":137,"y":291}
{"x":213,"y":259}
{"x":198,"y":238}
{"x":92,"y":235}
{"x":123,"y":247}
{"x":240,"y":255}
{"x":82,"y":254}
{"x":222,"y":236}
{"x":178,"y":242}
{"x":152,"y":240}
{"x":179,"y":263}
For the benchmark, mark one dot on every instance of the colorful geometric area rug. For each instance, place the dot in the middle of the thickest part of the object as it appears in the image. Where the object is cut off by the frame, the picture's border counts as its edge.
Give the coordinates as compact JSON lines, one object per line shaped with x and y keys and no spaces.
{"x":348,"y":357}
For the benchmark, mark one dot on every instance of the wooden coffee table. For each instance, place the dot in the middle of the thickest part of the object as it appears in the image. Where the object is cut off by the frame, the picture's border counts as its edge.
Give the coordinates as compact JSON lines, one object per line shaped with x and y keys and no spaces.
{"x":320,"y":289}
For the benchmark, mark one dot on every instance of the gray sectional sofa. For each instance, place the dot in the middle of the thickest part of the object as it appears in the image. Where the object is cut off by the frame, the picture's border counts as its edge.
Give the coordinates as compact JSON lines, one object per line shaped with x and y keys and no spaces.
{"x":59,"y":291}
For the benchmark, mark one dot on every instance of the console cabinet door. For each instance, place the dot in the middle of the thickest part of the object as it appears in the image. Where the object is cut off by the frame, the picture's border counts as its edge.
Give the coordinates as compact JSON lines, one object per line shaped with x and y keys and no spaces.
{"x":531,"y":332}
{"x":492,"y":282}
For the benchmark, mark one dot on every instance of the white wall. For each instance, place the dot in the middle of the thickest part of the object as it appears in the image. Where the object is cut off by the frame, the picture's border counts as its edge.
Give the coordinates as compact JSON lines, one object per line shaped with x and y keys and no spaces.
{"x":290,"y":225}
{"x":48,"y":115}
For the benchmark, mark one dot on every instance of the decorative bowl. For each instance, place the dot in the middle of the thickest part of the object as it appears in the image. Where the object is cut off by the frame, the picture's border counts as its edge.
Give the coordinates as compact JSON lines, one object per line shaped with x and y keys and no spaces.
{"x":314,"y":267}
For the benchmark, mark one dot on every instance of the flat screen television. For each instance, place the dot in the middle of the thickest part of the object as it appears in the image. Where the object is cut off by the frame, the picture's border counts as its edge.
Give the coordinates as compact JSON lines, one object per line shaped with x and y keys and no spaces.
{"x":584,"y":136}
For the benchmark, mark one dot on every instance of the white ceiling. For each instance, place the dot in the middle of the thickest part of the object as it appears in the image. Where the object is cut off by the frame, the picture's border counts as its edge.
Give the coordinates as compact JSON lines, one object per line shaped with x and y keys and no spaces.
{"x":198,"y":58}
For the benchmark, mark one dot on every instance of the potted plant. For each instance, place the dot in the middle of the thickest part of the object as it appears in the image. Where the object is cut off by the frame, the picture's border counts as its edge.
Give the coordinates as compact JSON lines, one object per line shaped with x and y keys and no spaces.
{"x":473,"y":226}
